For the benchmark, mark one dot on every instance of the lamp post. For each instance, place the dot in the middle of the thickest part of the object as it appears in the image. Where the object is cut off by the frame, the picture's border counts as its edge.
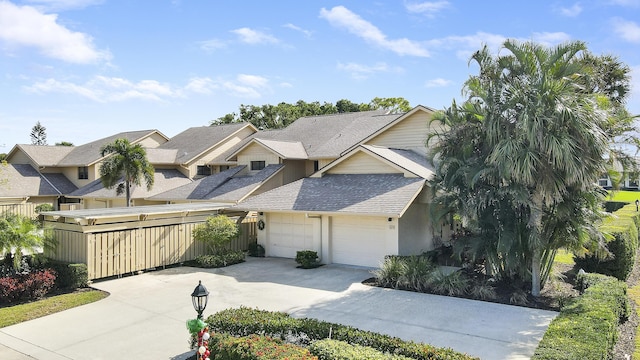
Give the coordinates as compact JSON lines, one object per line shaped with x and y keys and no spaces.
{"x":200,"y":297}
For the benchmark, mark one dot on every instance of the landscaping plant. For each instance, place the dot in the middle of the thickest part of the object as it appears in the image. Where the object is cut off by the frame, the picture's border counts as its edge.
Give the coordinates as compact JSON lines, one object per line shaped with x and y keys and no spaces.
{"x":216,"y":233}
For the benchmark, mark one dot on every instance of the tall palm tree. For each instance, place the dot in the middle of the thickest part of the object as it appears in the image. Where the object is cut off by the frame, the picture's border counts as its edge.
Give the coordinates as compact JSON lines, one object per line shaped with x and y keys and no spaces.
{"x":127,"y":165}
{"x":20,"y":234}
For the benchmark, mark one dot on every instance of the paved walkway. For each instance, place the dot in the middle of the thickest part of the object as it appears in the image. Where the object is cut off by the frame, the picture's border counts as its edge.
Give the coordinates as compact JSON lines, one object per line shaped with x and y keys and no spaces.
{"x":145,"y":315}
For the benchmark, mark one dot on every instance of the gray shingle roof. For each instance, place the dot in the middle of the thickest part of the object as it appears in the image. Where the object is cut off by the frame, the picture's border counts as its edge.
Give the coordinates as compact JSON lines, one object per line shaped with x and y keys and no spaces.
{"x":364,"y":194}
{"x":407,"y":159}
{"x":196,"y":140}
{"x":198,"y":189}
{"x":20,"y":180}
{"x":89,"y":153}
{"x":164,"y":179}
{"x":285,"y":149}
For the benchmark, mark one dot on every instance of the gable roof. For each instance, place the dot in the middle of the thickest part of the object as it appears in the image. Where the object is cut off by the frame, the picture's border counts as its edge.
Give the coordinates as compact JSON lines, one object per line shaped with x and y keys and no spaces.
{"x":195,"y":141}
{"x":225,"y":186}
{"x":164,"y":179}
{"x":356,"y":194}
{"x":406,"y":159}
{"x":42,"y":155}
{"x":22,"y":180}
{"x":89,"y":154}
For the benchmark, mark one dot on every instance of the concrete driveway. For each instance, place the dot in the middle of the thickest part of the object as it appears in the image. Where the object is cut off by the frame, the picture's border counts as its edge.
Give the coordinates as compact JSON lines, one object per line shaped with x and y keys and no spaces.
{"x":145,"y":315}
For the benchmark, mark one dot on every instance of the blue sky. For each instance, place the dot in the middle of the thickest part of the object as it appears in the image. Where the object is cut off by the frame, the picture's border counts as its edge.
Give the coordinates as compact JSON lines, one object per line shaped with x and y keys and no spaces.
{"x":91,"y":68}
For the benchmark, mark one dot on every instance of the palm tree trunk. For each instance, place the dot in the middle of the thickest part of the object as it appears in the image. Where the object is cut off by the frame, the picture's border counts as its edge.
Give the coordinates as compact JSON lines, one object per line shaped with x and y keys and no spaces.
{"x":535,"y":243}
{"x":127,"y":190}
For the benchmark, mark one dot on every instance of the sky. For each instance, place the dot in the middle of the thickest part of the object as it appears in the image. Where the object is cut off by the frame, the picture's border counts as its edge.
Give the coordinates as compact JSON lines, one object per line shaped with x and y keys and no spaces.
{"x":87,"y":69}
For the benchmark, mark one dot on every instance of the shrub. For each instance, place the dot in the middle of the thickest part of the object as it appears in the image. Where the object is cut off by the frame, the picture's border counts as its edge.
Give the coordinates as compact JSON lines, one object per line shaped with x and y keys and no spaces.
{"x":44,"y":207}
{"x":255,"y":347}
{"x":307,"y":259}
{"x":244,"y":321}
{"x":220,"y":260}
{"x":23,"y":287}
{"x":453,"y":284}
{"x":216,"y":233}
{"x":256,"y":250}
{"x":483,"y":291}
{"x":339,"y":350}
{"x":418,"y":271}
{"x":70,"y":276}
{"x":587,"y":328}
{"x":391,"y":272}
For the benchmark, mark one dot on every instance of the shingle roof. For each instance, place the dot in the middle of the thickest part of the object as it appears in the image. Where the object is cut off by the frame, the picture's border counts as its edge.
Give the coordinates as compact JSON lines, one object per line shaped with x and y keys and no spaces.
{"x":221,"y":187}
{"x":164,"y":179}
{"x":196,"y":140}
{"x":89,"y":153}
{"x":285,"y":149}
{"x":406,"y":159}
{"x":20,"y":180}
{"x":364,"y":194}
{"x":45,"y":155}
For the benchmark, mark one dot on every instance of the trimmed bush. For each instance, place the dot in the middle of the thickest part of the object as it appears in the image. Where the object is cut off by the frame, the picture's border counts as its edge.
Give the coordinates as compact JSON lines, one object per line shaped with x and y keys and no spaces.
{"x":220,"y":260}
{"x":244,"y":321}
{"x":25,"y":287}
{"x":587,"y":329}
{"x":307,"y":259}
{"x":339,"y":350}
{"x":255,"y":347}
{"x":623,"y":227}
{"x":70,"y":276}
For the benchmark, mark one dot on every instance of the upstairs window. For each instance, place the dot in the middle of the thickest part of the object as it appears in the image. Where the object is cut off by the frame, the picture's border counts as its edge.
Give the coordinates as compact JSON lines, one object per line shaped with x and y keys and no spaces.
{"x":203,"y":170}
{"x":83,"y":172}
{"x":316,"y":165}
{"x":257,"y":165}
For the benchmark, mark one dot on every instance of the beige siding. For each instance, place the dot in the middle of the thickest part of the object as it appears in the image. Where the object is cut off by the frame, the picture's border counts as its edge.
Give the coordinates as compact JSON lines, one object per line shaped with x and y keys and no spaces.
{"x":19,"y":157}
{"x":293,"y":170}
{"x":410,"y":133}
{"x":324,"y":162}
{"x":362,"y":163}
{"x":255,"y":152}
{"x":274,"y":182}
{"x":416,"y":231}
{"x":153,"y":141}
{"x":71,"y":173}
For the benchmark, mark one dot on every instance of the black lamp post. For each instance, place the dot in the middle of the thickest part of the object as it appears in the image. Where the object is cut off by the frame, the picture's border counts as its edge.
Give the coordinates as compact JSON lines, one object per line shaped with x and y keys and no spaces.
{"x":200,"y":297}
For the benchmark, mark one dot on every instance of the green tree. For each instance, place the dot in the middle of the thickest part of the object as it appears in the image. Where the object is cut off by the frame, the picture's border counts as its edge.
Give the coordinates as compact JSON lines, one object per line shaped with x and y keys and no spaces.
{"x":392,"y":105}
{"x":20,"y":234}
{"x":38,"y":134}
{"x":535,"y":140}
{"x":125,"y":166}
{"x":216,"y":233}
{"x":64,"y":143}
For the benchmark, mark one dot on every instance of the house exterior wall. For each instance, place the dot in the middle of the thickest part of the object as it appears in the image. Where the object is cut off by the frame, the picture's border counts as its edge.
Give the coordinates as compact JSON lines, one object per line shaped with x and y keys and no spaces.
{"x":324,"y":162}
{"x":274,"y":182}
{"x":204,"y":159}
{"x":362,"y":163}
{"x":410,"y":133}
{"x":415,"y":230}
{"x":152,"y":141}
{"x":255,"y":152}
{"x":293,"y":170}
{"x":71,"y":173}
{"x":19,"y":157}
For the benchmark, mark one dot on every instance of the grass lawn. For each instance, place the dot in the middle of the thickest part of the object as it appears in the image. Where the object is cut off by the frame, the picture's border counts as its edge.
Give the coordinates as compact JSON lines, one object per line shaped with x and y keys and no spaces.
{"x":624,"y":196}
{"x":634,"y":295}
{"x":564,"y":257}
{"x":18,"y":313}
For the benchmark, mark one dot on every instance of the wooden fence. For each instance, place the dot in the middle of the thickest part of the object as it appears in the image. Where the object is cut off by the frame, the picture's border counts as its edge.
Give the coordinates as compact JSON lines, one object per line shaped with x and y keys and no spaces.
{"x":24,"y":209}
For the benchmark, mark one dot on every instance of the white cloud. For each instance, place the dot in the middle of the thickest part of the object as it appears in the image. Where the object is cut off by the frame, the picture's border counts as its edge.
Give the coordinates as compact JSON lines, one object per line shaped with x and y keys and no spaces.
{"x":212,"y":45}
{"x":251,"y":36}
{"x":25,"y":26}
{"x":61,"y":5}
{"x":439,"y":82}
{"x":105,"y":89}
{"x":429,"y":8}
{"x":360,"y":71}
{"x":572,"y":11}
{"x":627,"y":30}
{"x":550,"y":38}
{"x":306,"y":33}
{"x":342,"y":17}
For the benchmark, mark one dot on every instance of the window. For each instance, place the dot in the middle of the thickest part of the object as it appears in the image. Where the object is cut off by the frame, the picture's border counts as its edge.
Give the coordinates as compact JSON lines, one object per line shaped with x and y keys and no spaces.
{"x":257,"y":165}
{"x":83,"y":172}
{"x":316,"y":165}
{"x":203,"y":170}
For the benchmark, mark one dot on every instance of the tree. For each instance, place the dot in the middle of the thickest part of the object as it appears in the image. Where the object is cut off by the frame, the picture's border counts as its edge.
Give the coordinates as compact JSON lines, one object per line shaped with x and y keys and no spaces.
{"x":531,"y":147}
{"x":216,"y":233}
{"x":127,"y":165}
{"x":64,"y":143}
{"x":38,"y":134}
{"x":20,"y":234}
{"x":392,"y":105}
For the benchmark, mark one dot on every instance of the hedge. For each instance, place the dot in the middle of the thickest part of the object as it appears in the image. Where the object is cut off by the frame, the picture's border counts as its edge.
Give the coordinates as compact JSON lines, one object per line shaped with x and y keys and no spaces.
{"x":70,"y":276}
{"x":220,"y":260}
{"x":254,"y":347}
{"x":339,"y":350}
{"x":587,"y":329}
{"x":623,"y":226}
{"x":245,"y":321}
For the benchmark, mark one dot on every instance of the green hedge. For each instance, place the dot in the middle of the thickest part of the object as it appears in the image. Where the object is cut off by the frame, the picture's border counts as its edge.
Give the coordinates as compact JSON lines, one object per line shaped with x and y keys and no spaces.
{"x":245,"y":321}
{"x":221,"y":260}
{"x":623,"y":225}
{"x":255,"y":347}
{"x":587,"y":329}
{"x":339,"y":350}
{"x":70,"y":276}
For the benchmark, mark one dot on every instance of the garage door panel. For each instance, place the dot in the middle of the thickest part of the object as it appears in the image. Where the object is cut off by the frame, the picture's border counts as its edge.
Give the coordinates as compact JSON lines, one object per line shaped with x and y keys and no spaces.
{"x":359,"y":240}
{"x":288,"y":234}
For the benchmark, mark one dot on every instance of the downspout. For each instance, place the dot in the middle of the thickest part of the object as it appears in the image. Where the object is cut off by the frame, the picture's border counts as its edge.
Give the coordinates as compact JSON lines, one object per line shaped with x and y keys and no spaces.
{"x":319,"y":217}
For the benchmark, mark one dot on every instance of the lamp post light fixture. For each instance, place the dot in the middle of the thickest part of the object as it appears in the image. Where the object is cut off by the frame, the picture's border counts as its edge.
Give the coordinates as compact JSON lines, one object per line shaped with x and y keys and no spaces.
{"x":200,"y":297}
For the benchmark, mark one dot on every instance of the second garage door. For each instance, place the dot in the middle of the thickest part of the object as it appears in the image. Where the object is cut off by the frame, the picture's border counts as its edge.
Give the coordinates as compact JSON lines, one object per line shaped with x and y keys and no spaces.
{"x":288,"y":234}
{"x":357,"y":240}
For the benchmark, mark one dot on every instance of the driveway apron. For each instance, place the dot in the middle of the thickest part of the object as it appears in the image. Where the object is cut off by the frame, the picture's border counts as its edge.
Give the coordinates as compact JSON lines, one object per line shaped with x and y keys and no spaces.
{"x":145,"y":315}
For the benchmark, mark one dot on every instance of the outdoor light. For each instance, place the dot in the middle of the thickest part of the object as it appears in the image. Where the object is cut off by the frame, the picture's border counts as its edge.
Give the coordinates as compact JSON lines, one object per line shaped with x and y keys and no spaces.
{"x":199,"y":297}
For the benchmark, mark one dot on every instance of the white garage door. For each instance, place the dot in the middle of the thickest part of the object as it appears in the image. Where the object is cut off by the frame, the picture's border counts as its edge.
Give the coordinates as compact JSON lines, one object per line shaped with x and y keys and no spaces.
{"x":288,"y":234}
{"x":358,"y":240}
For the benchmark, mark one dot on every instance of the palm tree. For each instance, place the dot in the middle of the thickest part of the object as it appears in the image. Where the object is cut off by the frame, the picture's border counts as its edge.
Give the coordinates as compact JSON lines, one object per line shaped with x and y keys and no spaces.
{"x":20,"y":234}
{"x":126,"y":162}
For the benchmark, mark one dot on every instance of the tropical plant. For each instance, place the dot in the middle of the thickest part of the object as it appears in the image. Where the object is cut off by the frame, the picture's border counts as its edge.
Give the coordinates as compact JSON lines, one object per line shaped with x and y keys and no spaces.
{"x":125,"y":166}
{"x":20,"y":234}
{"x":216,"y":233}
{"x":522,"y":155}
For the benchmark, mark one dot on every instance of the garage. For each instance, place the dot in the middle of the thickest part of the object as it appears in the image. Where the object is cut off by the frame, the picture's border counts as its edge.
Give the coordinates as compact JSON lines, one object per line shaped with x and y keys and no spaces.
{"x":289,"y":233}
{"x":359,"y":240}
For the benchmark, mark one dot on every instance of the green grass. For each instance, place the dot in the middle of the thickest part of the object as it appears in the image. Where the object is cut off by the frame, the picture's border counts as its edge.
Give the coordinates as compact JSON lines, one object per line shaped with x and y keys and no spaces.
{"x":634,"y":295}
{"x":623,"y":196}
{"x":564,"y":257}
{"x":24,"y":312}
